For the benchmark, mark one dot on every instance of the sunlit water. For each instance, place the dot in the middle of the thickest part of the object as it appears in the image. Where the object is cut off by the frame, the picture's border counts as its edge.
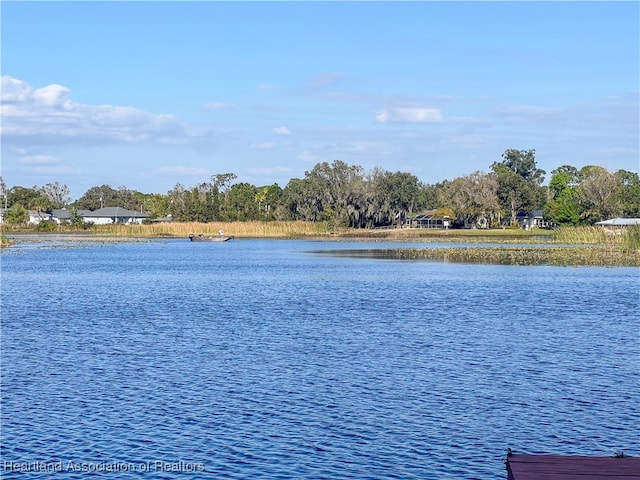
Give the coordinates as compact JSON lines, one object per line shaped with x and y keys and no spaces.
{"x":259,"y":359}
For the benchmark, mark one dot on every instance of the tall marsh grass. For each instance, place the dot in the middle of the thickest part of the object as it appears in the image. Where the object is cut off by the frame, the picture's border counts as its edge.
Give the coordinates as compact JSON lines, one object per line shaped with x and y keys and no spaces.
{"x":565,"y":256}
{"x":626,"y":239}
{"x":587,"y":235}
{"x":236,"y":229}
{"x":4,"y":241}
{"x":631,"y":239}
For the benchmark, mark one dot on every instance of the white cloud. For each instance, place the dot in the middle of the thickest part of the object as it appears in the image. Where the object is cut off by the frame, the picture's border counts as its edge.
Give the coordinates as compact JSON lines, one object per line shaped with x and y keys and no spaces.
{"x":409,"y":115}
{"x":264,"y":146}
{"x":282,"y":131}
{"x":52,"y":96}
{"x":48,"y":116}
{"x":359,"y":147}
{"x":14,"y":90}
{"x":39,"y":165}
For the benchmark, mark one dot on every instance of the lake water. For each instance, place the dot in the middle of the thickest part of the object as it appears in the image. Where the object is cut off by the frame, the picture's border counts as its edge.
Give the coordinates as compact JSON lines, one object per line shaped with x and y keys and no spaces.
{"x":261,"y":359}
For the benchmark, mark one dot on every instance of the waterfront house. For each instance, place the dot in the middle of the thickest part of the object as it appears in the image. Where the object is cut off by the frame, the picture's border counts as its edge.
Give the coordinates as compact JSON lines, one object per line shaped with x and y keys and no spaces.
{"x":62,"y":215}
{"x":528,"y":220}
{"x":107,"y":215}
{"x":428,"y":219}
{"x":166,"y":219}
{"x":35,"y":217}
{"x":102,"y":216}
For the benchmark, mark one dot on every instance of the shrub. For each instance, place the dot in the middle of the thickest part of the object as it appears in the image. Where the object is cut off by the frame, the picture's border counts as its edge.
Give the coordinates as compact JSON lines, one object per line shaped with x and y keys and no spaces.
{"x":46,"y":226}
{"x":16,"y":215}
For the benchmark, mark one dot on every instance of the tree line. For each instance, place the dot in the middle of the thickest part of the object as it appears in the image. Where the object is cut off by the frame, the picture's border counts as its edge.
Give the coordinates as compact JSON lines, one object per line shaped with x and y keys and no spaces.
{"x":346,"y":195}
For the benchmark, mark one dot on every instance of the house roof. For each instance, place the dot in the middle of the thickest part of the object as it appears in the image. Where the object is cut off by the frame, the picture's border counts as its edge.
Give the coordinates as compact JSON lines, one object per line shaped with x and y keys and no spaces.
{"x":64,"y":214}
{"x":116,"y":212}
{"x":620,"y":222}
{"x":532,"y":214}
{"x":106,"y":212}
{"x":425,"y":215}
{"x":36,"y":213}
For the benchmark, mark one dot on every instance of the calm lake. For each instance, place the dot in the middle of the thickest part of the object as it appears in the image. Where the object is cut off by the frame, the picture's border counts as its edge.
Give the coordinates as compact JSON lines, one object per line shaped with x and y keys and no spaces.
{"x":262,"y":359}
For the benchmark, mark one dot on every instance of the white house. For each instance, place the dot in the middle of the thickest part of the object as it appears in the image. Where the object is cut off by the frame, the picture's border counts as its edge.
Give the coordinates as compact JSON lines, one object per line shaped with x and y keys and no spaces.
{"x":107,"y":215}
{"x":102,"y":216}
{"x":36,"y":217}
{"x":62,"y":215}
{"x":528,"y":220}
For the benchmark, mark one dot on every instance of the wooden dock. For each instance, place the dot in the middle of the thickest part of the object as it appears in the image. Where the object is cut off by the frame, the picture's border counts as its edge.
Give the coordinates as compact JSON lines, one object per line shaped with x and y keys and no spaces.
{"x":561,"y":467}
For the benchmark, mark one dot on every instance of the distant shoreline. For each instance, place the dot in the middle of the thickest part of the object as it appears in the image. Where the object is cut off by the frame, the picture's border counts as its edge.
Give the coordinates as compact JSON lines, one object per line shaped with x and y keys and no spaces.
{"x":511,"y":253}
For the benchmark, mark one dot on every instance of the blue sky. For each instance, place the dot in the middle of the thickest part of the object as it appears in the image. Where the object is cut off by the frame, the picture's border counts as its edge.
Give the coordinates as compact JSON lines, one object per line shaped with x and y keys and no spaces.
{"x":148,"y":94}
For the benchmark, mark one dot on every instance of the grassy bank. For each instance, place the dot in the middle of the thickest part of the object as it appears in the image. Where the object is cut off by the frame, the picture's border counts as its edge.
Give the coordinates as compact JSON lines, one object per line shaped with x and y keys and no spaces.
{"x":312,"y":230}
{"x":282,"y":230}
{"x":237,"y":229}
{"x":4,"y":241}
{"x":627,"y":236}
{"x":581,"y":246}
{"x":565,"y":256}
{"x":576,"y":245}
{"x":183,"y":229}
{"x":501,"y":235}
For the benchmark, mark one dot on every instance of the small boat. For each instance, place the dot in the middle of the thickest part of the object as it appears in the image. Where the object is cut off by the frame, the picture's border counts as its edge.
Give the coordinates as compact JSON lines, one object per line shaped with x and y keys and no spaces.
{"x":202,"y":238}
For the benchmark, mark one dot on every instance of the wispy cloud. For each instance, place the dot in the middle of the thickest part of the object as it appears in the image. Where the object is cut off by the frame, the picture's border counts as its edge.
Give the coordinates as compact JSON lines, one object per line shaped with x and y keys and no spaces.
{"x":307,"y":156}
{"x":38,"y":160}
{"x":528,"y":111}
{"x":264,"y":146}
{"x":282,"y":131}
{"x":44,"y":165}
{"x":409,"y":115}
{"x":617,"y":151}
{"x":272,"y":108}
{"x":325,"y":80}
{"x":218,"y":106}
{"x":358,"y":147}
{"x":48,"y":115}
{"x":182,"y":171}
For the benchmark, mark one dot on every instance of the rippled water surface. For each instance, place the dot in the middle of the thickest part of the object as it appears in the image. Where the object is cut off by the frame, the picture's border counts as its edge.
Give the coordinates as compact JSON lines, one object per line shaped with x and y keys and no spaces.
{"x":260,"y":359}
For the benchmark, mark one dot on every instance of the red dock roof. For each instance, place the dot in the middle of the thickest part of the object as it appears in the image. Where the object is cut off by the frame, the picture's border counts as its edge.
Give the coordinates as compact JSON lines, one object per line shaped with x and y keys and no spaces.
{"x":560,"y":467}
